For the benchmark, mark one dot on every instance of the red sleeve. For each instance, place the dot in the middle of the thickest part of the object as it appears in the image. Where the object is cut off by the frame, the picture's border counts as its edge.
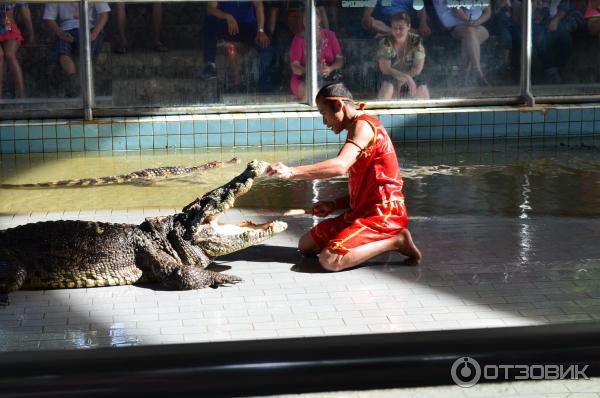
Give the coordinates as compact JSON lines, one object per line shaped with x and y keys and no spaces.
{"x":297,"y":49}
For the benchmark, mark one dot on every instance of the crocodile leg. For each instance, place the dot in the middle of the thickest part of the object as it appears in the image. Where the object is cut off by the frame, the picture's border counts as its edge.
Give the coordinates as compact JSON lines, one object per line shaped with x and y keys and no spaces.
{"x":189,"y":277}
{"x":182,"y":277}
{"x":12,"y":277}
{"x":189,"y":254}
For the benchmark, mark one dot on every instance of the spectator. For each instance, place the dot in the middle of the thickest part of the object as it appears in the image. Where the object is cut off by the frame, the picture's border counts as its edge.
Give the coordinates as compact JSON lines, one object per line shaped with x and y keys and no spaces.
{"x":237,"y":21}
{"x":401,"y":57}
{"x":10,"y":41}
{"x":466,"y":25}
{"x":508,"y":30}
{"x":553,"y":23}
{"x":592,"y":15}
{"x":376,"y":20}
{"x":68,"y":35}
{"x":329,"y":59}
{"x":121,"y":18}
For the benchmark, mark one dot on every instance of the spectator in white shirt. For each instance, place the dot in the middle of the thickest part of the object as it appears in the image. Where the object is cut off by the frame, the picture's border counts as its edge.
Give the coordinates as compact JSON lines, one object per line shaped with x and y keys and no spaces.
{"x":63,"y":20}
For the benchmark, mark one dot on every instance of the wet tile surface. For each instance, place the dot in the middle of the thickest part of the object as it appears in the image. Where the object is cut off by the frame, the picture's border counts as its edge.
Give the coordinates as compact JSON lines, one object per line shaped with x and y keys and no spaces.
{"x":532,"y":389}
{"x":477,"y":272}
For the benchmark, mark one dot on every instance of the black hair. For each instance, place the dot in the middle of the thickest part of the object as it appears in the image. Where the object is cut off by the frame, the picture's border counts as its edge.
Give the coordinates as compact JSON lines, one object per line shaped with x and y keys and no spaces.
{"x":335,"y":90}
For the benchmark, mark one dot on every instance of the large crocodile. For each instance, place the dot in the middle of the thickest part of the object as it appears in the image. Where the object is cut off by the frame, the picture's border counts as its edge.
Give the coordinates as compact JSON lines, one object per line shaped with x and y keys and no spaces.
{"x":144,"y":176}
{"x":173,"y":250}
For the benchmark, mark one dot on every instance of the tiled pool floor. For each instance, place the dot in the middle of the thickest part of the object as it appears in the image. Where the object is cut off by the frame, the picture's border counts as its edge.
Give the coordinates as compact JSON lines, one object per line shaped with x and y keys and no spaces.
{"x":477,"y":272}
{"x":581,"y":388}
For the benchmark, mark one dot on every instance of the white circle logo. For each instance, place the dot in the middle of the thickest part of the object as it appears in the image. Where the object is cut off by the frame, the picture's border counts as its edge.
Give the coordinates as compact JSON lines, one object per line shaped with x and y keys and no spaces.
{"x":465,"y":372}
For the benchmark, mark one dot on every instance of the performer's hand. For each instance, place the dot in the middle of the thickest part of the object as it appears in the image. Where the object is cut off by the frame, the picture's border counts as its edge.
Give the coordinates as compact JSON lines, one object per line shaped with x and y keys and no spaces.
{"x":322,"y":208}
{"x":279,"y":170}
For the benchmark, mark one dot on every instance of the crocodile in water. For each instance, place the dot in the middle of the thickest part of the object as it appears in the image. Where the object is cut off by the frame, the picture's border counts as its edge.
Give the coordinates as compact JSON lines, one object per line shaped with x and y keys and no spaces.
{"x":144,"y":176}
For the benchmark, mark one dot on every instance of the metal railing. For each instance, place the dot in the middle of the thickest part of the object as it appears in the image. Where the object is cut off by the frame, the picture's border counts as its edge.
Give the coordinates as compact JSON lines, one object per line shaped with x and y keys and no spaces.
{"x":263,"y":367}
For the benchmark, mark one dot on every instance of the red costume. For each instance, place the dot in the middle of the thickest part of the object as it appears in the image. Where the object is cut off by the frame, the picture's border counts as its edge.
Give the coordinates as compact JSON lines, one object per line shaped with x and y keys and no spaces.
{"x":377,"y":209}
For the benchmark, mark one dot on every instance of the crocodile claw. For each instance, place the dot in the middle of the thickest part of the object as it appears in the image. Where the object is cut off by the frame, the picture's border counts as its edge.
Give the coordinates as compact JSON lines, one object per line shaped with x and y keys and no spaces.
{"x":219,"y":278}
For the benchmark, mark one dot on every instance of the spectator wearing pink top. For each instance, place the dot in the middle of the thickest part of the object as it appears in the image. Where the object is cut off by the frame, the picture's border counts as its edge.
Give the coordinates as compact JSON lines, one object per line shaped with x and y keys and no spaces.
{"x":329,"y":57}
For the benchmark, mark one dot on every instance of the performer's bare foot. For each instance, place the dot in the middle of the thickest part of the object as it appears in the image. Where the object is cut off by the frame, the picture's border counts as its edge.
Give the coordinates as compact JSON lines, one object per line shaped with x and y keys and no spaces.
{"x":407,"y":247}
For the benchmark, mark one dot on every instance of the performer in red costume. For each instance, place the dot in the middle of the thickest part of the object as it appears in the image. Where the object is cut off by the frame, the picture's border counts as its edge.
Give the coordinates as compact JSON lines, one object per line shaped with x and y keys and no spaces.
{"x":376,"y":219}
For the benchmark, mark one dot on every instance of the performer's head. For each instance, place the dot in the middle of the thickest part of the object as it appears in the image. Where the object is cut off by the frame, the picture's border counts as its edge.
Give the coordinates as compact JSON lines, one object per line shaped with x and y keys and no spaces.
{"x":337,"y":106}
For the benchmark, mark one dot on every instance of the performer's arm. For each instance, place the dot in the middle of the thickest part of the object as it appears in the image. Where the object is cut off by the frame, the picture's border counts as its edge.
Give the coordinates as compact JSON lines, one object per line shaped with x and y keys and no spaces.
{"x":335,"y":167}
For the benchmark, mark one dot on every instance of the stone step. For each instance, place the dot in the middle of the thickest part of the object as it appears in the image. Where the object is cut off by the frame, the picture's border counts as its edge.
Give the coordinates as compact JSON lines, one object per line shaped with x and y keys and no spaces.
{"x":163,"y":91}
{"x":151,"y":64}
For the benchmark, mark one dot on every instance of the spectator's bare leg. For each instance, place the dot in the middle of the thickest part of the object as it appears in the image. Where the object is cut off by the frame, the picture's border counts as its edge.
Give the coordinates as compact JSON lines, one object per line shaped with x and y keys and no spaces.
{"x":301,"y":91}
{"x":1,"y":69}
{"x":67,"y":64}
{"x":386,"y":92}
{"x":481,"y":35}
{"x":10,"y":54}
{"x":121,"y":19}
{"x":466,"y":63}
{"x":157,"y":18}
{"x":422,"y":91}
{"x":471,"y":39}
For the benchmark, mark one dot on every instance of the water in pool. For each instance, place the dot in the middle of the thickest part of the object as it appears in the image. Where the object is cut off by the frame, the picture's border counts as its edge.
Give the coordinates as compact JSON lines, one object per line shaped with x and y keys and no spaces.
{"x":477,"y":178}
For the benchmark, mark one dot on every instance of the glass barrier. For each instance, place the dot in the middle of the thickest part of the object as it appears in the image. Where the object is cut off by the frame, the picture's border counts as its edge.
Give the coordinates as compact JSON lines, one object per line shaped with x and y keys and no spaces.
{"x":424,"y":58}
{"x":40,"y":67}
{"x":566,"y":47}
{"x":199,"y":53}
{"x":401,"y":50}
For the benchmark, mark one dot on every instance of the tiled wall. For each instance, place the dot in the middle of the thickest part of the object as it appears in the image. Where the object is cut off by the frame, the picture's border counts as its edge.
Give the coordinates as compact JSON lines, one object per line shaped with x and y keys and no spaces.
{"x":283,"y":128}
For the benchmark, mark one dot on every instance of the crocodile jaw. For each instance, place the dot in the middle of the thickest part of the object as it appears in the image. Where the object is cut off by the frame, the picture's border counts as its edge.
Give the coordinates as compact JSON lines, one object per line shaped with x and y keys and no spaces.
{"x":216,"y":202}
{"x":220,"y":239}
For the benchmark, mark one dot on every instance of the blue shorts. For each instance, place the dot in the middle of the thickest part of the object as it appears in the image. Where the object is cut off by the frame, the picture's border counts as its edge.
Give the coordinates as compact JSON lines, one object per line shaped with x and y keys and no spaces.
{"x":65,"y":48}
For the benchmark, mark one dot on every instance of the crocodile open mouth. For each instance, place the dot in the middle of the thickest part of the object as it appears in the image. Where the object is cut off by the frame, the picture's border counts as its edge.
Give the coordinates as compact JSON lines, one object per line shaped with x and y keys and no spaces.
{"x":217,"y":238}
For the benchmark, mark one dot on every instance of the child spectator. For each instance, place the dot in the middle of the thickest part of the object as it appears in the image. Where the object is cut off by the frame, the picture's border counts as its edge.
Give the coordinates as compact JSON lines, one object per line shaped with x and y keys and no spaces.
{"x":329,"y":59}
{"x":68,"y":35}
{"x":466,"y":25}
{"x":121,"y":18}
{"x":10,"y":41}
{"x":400,"y":58}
